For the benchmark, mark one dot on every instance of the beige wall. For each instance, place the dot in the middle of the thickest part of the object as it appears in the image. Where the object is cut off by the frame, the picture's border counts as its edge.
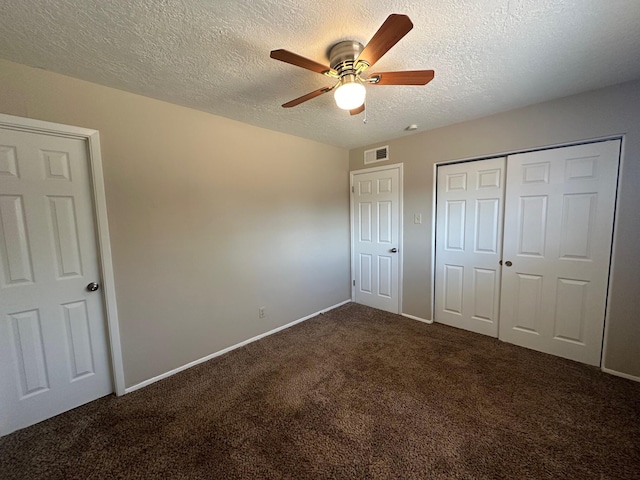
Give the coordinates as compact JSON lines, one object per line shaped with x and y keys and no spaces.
{"x":609,"y":111}
{"x":209,"y":218}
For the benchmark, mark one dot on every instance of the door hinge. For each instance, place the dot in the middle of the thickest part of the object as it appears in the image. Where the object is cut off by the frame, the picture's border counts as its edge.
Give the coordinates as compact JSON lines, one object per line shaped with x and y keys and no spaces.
{"x":353,"y":189}
{"x":354,"y":283}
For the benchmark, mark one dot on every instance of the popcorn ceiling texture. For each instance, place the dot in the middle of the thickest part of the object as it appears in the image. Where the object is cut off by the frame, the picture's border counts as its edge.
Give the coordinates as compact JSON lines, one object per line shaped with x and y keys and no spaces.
{"x":213,"y":55}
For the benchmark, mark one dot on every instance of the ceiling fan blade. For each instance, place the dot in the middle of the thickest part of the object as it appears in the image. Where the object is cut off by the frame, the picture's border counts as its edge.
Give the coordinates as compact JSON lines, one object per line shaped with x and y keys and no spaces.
{"x":392,"y":30}
{"x":295,"y":59}
{"x":306,"y":97}
{"x":408,"y":77}
{"x":358,"y":110}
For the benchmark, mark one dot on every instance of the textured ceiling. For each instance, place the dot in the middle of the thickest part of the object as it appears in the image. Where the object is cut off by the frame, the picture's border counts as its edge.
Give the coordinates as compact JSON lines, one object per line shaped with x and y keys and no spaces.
{"x":213,"y":55}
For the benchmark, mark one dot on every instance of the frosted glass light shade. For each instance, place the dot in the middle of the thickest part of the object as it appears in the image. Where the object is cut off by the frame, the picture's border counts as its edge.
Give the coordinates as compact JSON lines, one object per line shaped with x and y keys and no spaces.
{"x":350,"y":95}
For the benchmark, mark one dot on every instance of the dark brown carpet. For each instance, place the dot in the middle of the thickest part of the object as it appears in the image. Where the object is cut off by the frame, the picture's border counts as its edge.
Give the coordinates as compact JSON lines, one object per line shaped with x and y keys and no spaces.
{"x":352,"y":394}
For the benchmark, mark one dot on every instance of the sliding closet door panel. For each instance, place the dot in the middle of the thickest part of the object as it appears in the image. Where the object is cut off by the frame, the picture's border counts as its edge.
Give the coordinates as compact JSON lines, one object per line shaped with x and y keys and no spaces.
{"x":559,"y":207}
{"x":469,"y":244}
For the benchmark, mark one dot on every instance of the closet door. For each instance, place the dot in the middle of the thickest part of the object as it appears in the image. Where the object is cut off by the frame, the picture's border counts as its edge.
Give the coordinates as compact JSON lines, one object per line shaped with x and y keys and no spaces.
{"x":559,"y":208}
{"x":469,"y":244}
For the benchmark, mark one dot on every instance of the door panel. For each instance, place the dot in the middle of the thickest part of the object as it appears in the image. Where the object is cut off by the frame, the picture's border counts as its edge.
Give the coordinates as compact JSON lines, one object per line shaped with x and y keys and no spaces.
{"x":377,"y":219}
{"x":484,"y":291}
{"x":77,"y":327}
{"x":384,"y":222}
{"x":29,"y":352}
{"x":578,"y":214}
{"x":385,"y":270}
{"x":570,"y":315}
{"x":558,"y":229}
{"x":63,"y":228}
{"x":487,"y":225}
{"x":453,"y":288}
{"x":364,"y":222}
{"x":532,"y":224}
{"x":53,"y":345}
{"x":16,"y":259}
{"x":526,"y":316}
{"x":454,"y":225}
{"x":468,"y":244}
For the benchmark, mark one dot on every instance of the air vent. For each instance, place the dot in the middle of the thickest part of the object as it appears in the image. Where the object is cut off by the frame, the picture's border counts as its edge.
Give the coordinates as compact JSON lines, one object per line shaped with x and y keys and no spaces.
{"x":379,"y":154}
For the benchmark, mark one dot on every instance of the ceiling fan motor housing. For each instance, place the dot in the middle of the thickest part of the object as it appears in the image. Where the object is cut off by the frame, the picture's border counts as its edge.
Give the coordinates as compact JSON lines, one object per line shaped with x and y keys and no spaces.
{"x":343,"y":55}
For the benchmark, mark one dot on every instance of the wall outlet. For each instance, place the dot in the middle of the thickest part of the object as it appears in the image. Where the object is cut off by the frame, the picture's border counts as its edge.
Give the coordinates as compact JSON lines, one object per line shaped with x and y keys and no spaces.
{"x":261,"y":312}
{"x":417,"y":218}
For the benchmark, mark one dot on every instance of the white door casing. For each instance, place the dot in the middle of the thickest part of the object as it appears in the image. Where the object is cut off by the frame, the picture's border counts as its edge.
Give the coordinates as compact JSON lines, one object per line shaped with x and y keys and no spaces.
{"x":469,"y":212}
{"x":559,"y":214}
{"x":376,"y":217}
{"x":54,"y":352}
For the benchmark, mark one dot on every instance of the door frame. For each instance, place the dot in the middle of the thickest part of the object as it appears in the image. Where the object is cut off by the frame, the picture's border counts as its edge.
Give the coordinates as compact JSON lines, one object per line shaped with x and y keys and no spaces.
{"x":393,"y":166}
{"x":622,"y":138}
{"x":91,"y":138}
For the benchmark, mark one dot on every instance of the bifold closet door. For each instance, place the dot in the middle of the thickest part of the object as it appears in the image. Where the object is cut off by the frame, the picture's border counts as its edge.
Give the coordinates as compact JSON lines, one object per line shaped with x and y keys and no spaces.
{"x":559,"y":207}
{"x":468,"y":244}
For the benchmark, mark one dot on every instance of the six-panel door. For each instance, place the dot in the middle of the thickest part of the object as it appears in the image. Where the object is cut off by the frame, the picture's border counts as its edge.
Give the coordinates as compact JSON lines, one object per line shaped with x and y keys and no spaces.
{"x":376,"y":229}
{"x":53,"y":347}
{"x":469,"y":244}
{"x":558,"y":231}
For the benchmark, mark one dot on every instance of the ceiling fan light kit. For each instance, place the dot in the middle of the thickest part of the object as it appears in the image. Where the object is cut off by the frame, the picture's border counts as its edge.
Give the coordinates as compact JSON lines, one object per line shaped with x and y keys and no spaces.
{"x":350,"y":93}
{"x":349,"y":61}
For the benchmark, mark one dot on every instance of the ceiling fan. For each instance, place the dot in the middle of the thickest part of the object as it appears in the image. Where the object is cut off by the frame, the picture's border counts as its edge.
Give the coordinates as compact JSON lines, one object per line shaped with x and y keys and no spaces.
{"x":349,"y":61}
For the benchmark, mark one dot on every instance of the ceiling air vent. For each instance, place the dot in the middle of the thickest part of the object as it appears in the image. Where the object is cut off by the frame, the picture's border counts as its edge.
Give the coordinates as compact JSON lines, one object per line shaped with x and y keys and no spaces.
{"x":379,"y":154}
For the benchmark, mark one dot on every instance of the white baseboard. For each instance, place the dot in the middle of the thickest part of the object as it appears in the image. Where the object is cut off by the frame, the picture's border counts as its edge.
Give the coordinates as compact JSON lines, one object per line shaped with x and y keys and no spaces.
{"x":620,"y":374}
{"x":228,"y":349}
{"x":423,"y":320}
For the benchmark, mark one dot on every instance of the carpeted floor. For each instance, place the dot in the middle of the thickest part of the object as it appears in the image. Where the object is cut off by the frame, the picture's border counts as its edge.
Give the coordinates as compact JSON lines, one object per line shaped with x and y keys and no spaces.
{"x":353,"y":394}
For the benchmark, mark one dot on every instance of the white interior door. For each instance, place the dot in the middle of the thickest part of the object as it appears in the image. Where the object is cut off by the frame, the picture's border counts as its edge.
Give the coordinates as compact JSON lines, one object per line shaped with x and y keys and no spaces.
{"x":53,"y":346}
{"x":375,"y":237}
{"x":469,"y":212}
{"x":558,"y":232}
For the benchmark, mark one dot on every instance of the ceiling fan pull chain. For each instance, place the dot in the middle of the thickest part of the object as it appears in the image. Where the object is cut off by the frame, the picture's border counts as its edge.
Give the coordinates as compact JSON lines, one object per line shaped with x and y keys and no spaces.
{"x":365,"y":113}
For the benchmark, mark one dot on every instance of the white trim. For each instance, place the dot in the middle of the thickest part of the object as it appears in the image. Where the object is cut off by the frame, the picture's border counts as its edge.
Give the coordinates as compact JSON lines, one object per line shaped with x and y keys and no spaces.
{"x":92,"y":139}
{"x":352,"y":281}
{"x":616,"y":214}
{"x":391,"y":166}
{"x":400,"y":234}
{"x":620,"y":374}
{"x":533,"y":149}
{"x":38,"y":126}
{"x":434,"y":210}
{"x":162,"y":376}
{"x":423,"y":320}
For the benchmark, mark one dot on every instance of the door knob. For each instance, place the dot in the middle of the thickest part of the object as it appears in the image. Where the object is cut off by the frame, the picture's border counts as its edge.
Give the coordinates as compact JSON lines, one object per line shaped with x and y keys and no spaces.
{"x":93,"y":286}
{"x":393,"y":250}
{"x":508,"y":263}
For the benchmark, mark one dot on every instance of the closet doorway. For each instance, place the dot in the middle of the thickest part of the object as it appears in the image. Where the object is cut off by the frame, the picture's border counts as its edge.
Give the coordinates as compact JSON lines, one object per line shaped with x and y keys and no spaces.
{"x":523,"y":247}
